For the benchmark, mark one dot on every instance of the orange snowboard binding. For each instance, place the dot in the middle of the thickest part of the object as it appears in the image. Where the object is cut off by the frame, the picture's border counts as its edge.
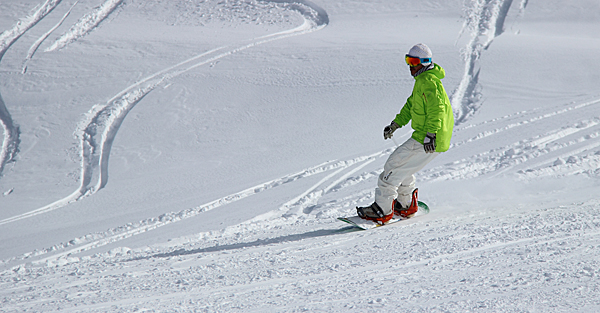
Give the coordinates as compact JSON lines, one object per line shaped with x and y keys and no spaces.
{"x":411,"y":210}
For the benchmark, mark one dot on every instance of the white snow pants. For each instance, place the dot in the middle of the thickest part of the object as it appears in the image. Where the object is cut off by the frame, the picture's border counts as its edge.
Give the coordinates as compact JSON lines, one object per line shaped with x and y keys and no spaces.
{"x":397,"y":180}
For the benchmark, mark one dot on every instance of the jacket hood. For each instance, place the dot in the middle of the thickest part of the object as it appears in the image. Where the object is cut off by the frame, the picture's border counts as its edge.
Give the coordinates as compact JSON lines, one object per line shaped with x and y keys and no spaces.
{"x":437,"y":71}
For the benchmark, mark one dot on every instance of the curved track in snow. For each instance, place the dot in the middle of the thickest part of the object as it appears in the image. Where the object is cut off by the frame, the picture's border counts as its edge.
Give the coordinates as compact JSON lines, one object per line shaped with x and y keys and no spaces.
{"x":85,"y":24}
{"x":10,"y":144}
{"x":33,"y":49}
{"x":485,"y":21}
{"x":101,"y":124}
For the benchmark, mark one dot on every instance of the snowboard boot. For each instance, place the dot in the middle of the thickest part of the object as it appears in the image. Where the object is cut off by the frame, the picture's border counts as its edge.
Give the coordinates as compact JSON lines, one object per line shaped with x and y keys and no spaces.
{"x":411,"y":210}
{"x":374,"y":213}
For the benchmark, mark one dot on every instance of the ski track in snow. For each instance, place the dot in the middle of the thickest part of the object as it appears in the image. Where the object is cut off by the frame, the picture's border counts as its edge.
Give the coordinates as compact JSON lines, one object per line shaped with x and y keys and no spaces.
{"x":38,"y":42}
{"x":11,"y":141}
{"x":85,"y":25}
{"x":101,"y":124}
{"x":485,"y":21}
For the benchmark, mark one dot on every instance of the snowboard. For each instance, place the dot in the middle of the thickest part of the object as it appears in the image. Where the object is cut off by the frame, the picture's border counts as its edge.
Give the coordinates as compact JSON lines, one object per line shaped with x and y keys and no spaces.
{"x":366,"y":224}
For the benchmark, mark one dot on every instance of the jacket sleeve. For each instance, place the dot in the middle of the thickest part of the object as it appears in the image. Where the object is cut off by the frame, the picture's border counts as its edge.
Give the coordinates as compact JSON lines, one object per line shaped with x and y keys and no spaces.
{"x":434,"y":106}
{"x":404,"y":116}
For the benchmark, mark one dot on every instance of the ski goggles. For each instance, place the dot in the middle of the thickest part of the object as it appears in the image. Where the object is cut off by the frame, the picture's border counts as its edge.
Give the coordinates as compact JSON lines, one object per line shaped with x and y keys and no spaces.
{"x":414,"y":61}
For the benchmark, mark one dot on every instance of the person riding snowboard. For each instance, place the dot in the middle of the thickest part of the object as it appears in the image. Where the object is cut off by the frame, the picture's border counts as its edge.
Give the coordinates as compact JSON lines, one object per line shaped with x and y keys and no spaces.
{"x":429,"y":110}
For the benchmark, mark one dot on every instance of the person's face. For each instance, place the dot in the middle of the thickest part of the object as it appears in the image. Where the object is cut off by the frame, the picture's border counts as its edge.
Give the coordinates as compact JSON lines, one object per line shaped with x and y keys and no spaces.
{"x":415,"y":69}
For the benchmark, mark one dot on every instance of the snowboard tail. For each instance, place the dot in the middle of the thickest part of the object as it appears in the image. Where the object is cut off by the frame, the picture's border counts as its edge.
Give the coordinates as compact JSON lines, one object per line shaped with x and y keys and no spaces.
{"x":368,"y":224}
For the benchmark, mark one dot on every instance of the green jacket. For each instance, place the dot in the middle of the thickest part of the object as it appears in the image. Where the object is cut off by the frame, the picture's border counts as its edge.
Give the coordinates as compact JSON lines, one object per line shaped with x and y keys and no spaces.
{"x":429,"y":109}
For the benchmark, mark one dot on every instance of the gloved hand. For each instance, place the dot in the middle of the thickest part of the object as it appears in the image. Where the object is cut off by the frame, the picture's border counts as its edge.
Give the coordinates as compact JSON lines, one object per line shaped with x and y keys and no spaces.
{"x":429,"y":143}
{"x":388,"y":131}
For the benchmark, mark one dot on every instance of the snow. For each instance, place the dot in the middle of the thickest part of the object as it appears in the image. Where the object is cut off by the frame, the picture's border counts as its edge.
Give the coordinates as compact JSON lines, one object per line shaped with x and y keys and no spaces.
{"x":193,"y":156}
{"x":85,"y":25}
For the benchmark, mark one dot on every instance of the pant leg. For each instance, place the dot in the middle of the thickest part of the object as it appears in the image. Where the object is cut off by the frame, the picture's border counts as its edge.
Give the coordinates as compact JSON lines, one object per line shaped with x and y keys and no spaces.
{"x":405,"y":190}
{"x":397,"y":175}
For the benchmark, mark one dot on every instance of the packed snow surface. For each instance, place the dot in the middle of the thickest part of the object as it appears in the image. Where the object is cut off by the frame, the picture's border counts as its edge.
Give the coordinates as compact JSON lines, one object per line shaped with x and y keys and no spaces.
{"x":193,"y":156}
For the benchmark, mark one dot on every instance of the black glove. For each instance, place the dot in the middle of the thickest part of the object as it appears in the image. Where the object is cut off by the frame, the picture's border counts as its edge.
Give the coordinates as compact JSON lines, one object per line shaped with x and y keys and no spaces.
{"x":389,"y":130}
{"x":429,"y":143}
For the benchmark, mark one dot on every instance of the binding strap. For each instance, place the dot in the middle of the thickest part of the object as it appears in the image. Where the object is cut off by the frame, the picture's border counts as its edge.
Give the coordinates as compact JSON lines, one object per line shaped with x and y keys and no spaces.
{"x":377,"y":209}
{"x":374,"y":207}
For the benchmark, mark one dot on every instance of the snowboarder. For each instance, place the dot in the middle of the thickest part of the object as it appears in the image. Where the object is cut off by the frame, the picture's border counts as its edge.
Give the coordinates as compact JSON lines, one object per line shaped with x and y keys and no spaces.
{"x":429,"y":109}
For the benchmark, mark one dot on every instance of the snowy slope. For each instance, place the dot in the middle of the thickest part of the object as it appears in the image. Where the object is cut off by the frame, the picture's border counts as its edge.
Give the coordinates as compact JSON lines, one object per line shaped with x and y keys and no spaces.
{"x":185,"y":156}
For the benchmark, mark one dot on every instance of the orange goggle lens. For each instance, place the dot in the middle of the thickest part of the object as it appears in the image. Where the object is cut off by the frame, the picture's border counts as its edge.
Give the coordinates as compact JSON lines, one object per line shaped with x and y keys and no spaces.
{"x":414,"y":61}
